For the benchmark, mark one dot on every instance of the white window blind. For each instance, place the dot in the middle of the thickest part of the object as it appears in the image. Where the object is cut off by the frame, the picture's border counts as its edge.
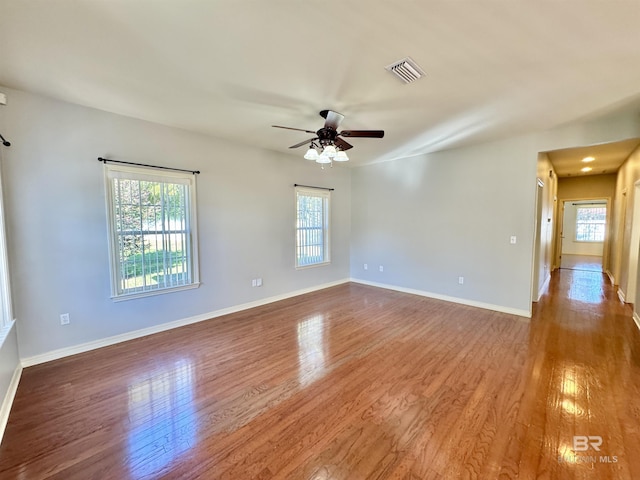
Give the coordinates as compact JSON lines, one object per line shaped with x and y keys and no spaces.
{"x":312,"y":227}
{"x":152,"y":226}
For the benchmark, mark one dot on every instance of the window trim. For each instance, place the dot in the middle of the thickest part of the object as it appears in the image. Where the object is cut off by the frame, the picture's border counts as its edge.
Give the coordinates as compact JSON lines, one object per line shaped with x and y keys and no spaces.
{"x":575,"y":227}
{"x":7,"y":320}
{"x":112,"y":240}
{"x":326,"y":196}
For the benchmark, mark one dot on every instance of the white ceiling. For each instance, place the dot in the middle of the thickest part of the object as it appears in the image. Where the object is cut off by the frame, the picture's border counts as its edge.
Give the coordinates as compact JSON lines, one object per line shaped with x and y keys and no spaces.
{"x":608,"y":158}
{"x":233,"y":68}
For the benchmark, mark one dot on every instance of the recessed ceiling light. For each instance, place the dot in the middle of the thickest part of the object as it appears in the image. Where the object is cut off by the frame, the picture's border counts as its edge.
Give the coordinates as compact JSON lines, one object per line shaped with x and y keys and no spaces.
{"x":586,"y":169}
{"x":588,"y":159}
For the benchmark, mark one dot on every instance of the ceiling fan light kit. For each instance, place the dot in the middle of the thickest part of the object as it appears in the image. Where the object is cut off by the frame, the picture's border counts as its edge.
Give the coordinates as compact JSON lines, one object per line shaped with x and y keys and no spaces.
{"x":323,"y":159}
{"x":341,"y":157}
{"x":327,"y":146}
{"x":312,"y":154}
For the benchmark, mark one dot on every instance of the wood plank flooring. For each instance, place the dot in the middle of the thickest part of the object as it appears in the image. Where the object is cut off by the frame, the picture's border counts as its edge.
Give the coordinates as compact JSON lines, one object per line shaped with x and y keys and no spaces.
{"x":352,"y":382}
{"x":592,"y":263}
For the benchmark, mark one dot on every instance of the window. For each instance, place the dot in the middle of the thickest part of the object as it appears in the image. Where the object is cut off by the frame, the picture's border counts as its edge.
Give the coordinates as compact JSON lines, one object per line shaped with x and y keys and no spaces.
{"x":151,"y":218}
{"x":590,"y":222}
{"x":312,"y":227}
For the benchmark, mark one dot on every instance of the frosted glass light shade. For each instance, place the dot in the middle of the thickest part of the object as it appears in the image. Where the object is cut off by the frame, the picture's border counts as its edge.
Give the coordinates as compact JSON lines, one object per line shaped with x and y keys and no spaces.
{"x":322,"y":158}
{"x":329,"y":151}
{"x":312,"y":154}
{"x":341,"y":156}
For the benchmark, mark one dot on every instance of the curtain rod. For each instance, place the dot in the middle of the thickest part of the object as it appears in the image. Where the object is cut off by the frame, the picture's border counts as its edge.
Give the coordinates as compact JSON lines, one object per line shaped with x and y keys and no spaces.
{"x":105,"y":160}
{"x":311,"y":186}
{"x":592,"y":203}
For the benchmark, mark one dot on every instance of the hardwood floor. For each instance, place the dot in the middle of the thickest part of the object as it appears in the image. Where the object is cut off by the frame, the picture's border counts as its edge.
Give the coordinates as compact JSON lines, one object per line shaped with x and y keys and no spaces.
{"x":352,"y":382}
{"x":591,"y":263}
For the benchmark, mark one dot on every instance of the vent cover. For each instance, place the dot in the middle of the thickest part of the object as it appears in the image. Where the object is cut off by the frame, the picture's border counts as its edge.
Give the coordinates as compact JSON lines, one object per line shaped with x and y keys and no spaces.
{"x":406,"y":70}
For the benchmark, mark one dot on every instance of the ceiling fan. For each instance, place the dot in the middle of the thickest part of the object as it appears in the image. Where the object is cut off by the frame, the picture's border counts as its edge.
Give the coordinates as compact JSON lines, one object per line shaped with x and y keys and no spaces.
{"x":327,"y":145}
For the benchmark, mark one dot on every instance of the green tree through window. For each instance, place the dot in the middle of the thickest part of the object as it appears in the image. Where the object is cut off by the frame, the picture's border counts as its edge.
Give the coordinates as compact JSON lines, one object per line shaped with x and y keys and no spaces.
{"x":312,"y":227}
{"x":151,"y":225}
{"x":590,"y":223}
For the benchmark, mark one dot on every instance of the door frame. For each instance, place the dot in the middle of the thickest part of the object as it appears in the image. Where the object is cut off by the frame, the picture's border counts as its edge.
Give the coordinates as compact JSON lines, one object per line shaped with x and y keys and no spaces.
{"x":634,"y":247}
{"x":606,"y":247}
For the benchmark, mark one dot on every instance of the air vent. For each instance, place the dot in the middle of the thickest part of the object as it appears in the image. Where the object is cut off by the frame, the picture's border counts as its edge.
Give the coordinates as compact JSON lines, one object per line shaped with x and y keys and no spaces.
{"x":406,"y":70}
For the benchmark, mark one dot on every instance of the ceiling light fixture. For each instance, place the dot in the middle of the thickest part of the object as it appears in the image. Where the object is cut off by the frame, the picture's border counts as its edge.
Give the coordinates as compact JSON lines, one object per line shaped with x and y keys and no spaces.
{"x":330,"y":151}
{"x":341,"y":156}
{"x":586,"y":169}
{"x":322,"y":158}
{"x":312,"y":154}
{"x":325,"y":153}
{"x":588,"y":159}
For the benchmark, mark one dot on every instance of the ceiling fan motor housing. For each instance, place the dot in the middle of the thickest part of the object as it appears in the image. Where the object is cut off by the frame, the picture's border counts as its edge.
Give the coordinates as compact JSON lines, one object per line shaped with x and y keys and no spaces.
{"x":326,"y":135}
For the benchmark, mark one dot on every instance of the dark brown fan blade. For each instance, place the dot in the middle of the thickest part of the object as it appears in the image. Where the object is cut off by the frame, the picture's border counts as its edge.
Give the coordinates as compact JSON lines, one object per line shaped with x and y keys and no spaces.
{"x":341,"y":144}
{"x":303,"y":143}
{"x":291,"y":128}
{"x":333,"y":118}
{"x":362,"y":133}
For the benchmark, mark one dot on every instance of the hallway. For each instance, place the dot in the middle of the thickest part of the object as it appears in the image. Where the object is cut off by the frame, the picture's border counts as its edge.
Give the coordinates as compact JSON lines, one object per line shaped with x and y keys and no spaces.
{"x":584,"y":380}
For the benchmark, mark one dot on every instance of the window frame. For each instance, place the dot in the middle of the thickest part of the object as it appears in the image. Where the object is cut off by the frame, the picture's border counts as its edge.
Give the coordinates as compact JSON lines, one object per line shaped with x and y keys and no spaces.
{"x":326,"y":227}
{"x":7,"y":320}
{"x":604,"y":224}
{"x":135,"y":173}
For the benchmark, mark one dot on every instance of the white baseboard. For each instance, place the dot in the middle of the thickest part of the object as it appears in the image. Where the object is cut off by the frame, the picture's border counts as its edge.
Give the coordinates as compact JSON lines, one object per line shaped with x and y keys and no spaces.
{"x":446,"y":298}
{"x":636,"y":318}
{"x":7,"y":403}
{"x":621,"y":295}
{"x":611,"y":277}
{"x":544,"y":286}
{"x":105,"y":342}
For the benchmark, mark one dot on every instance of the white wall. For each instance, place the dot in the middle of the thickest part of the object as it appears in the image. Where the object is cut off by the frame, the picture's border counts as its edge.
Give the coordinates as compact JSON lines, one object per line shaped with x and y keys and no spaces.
{"x":546,"y":222}
{"x":623,"y":253}
{"x":569,"y":244}
{"x":432,"y":218}
{"x":57,"y":231}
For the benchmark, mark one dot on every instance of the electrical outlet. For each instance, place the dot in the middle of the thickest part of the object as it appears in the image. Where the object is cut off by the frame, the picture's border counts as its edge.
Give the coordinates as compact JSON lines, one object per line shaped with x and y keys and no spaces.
{"x":366,"y":267}
{"x":513,"y":239}
{"x":254,"y":282}
{"x":381,"y":268}
{"x":64,"y":319}
{"x":258,"y":282}
{"x":461,"y":280}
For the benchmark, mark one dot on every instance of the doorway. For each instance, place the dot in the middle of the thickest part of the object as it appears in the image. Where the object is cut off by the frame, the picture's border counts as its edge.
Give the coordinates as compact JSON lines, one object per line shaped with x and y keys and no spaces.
{"x":583,"y":236}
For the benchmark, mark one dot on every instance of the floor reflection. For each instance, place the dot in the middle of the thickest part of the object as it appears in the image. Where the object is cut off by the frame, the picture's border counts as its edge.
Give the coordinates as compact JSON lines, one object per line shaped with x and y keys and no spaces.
{"x":586,"y":287}
{"x":162,"y":418}
{"x":311,"y":349}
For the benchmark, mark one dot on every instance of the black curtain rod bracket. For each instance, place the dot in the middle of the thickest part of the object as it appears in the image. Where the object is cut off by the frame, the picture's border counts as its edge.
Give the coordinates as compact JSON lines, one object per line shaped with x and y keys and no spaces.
{"x":311,"y":186}
{"x":105,"y":160}
{"x":4,"y":142}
